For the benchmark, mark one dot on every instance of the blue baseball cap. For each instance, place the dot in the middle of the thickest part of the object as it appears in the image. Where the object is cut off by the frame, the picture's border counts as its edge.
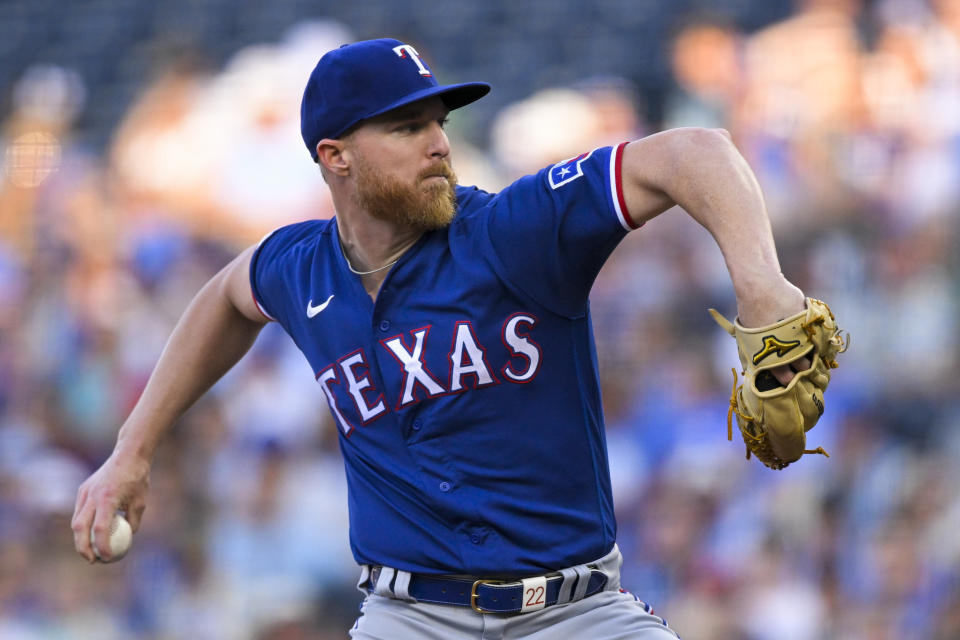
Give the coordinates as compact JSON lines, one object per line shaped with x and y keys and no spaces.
{"x":368,"y":78}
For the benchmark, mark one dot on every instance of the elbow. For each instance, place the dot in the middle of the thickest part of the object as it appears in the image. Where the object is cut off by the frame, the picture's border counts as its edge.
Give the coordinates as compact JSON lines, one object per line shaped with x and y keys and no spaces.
{"x":663,"y":154}
{"x":673,"y":166}
{"x":698,"y":141}
{"x":691,"y":152}
{"x":723,"y":132}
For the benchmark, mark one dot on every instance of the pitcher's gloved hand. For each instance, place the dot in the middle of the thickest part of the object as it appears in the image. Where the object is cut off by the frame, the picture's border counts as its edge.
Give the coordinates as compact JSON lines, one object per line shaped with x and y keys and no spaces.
{"x":773,"y":418}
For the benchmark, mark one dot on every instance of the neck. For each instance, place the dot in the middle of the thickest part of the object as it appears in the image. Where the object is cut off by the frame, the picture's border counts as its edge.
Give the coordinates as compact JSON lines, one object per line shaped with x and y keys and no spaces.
{"x":372,"y":245}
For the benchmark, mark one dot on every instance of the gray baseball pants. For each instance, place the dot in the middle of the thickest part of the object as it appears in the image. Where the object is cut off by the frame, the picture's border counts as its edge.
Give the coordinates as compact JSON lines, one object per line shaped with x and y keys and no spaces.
{"x":611,"y":614}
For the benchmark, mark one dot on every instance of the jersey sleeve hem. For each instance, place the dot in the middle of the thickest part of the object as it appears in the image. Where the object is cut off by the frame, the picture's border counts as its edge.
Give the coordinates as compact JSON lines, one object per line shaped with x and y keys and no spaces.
{"x":616,"y":189}
{"x":260,"y":307}
{"x":253,"y":278}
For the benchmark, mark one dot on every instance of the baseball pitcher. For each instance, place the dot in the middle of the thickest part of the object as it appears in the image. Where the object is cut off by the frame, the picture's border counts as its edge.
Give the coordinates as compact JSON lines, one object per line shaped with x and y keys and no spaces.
{"x":449,"y":330}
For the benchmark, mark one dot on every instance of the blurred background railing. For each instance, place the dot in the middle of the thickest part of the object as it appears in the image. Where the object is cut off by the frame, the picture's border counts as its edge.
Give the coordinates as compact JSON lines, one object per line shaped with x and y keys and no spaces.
{"x":144,"y":144}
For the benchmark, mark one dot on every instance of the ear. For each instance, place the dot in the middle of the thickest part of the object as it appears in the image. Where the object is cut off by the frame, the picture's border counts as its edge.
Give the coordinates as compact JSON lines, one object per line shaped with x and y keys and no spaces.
{"x":330,"y":154}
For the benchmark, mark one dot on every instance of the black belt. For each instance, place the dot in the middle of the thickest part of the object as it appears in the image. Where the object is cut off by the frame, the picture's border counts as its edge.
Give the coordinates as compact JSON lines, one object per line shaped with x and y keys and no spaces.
{"x":487,"y":596}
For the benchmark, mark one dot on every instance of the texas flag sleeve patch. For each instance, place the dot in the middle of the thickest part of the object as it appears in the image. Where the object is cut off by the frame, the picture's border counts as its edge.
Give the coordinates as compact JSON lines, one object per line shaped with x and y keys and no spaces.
{"x":567,"y":170}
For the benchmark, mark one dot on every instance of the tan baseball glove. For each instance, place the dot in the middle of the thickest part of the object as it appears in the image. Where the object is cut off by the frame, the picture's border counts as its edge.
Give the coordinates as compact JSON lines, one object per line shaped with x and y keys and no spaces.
{"x":774,"y":419}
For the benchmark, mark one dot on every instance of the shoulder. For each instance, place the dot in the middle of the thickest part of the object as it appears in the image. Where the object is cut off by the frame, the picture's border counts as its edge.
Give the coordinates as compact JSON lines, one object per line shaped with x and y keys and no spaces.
{"x":298,"y":234}
{"x":471,"y":199}
{"x":586,"y":173}
{"x":289,"y":244}
{"x":279,"y":261}
{"x":300,"y":231}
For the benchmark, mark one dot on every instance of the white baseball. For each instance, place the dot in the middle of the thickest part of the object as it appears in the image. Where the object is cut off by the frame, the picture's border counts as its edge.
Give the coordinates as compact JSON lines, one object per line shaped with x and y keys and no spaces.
{"x":121,"y":535}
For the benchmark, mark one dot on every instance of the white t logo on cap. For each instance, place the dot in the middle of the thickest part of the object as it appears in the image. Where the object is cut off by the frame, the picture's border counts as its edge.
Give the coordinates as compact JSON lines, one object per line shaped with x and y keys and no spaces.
{"x":404,"y":49}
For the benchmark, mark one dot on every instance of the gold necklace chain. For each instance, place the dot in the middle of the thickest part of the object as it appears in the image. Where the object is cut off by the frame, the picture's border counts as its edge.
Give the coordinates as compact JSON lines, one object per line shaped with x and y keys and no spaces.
{"x":361,"y":273}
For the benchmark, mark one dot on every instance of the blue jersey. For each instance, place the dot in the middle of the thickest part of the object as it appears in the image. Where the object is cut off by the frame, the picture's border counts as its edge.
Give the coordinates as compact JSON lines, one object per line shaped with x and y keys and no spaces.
{"x":466,"y":396}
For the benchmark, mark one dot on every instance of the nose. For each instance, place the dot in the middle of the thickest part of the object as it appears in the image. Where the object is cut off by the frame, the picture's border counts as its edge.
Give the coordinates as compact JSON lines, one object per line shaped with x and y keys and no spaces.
{"x":439,"y":145}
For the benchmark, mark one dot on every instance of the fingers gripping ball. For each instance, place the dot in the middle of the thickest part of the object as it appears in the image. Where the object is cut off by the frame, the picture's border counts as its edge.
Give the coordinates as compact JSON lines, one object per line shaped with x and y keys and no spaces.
{"x":774,"y":419}
{"x":121,"y":536}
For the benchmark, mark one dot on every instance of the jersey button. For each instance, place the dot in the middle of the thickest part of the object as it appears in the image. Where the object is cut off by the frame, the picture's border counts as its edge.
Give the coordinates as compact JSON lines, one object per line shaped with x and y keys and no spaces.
{"x":475,"y":538}
{"x":384,"y":325}
{"x":444,"y":486}
{"x":417,"y":424}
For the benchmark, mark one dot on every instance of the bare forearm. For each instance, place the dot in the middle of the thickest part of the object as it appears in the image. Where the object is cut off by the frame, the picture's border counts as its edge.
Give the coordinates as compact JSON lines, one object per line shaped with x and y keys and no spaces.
{"x":215,"y":331}
{"x":719,"y":190}
{"x":211,"y":336}
{"x":702,"y":171}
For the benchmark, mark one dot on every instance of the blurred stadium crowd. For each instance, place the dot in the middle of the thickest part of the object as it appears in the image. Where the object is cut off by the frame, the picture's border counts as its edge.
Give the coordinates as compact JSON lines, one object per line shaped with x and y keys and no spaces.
{"x":848,"y":111}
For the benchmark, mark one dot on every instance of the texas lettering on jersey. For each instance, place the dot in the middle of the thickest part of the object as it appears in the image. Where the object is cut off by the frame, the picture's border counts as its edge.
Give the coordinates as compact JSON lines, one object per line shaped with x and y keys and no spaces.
{"x":349,"y":380}
{"x":467,"y":394}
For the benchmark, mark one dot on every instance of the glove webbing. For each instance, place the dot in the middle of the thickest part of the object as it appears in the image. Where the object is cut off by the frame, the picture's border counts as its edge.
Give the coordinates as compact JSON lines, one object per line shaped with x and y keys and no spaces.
{"x":759,"y":439}
{"x":842,"y":338}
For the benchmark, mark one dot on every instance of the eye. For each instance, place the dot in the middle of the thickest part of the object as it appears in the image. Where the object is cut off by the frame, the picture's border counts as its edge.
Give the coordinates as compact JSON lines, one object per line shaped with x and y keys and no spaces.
{"x":443,"y":122}
{"x":411,"y":126}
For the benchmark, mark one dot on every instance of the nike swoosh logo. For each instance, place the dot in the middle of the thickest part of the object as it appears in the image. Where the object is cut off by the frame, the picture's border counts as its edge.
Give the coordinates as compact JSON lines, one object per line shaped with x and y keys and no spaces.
{"x":314,"y":310}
